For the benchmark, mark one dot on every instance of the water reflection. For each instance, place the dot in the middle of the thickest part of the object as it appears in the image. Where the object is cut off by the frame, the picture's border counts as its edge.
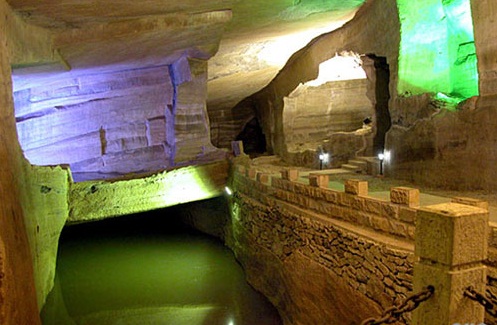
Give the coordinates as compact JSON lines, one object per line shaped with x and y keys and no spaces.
{"x":150,"y":270}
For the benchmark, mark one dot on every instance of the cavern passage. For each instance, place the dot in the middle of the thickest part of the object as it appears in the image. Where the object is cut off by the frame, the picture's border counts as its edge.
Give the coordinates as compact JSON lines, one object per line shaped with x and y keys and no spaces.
{"x":111,"y":108}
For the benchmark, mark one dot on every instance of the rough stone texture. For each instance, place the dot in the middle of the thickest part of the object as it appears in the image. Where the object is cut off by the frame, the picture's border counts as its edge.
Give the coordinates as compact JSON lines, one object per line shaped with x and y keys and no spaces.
{"x":117,"y":123}
{"x":290,"y":174}
{"x":17,"y":290}
{"x":354,"y":36}
{"x":313,"y":114}
{"x":94,"y":200}
{"x":319,"y":180}
{"x":451,"y":255}
{"x":356,"y":187}
{"x":191,"y":122}
{"x":456,"y":241}
{"x":341,"y":146}
{"x":105,"y":123}
{"x":380,"y":215}
{"x":405,"y":196}
{"x":46,"y":204}
{"x":315,"y":269}
{"x":449,"y":308}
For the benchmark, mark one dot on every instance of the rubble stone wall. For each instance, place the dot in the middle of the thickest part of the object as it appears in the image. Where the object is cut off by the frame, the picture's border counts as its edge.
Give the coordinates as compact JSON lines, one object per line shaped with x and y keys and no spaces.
{"x":322,"y":255}
{"x":313,"y":267}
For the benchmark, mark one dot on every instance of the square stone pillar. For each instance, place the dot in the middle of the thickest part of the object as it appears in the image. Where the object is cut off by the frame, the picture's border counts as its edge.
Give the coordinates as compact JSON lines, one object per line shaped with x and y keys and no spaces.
{"x":356,"y":187}
{"x":262,"y":177}
{"x":405,"y":196}
{"x":451,"y":244}
{"x":319,"y":180}
{"x":290,"y":174}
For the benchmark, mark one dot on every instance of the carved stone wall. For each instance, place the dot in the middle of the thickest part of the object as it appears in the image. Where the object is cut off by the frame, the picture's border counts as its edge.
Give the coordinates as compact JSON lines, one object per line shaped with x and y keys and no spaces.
{"x":18,"y":303}
{"x":108,"y":123}
{"x":312,"y":114}
{"x":117,"y":123}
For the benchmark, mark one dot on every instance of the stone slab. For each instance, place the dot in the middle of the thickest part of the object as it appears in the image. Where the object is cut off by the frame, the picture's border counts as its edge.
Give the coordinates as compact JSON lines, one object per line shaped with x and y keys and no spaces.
{"x":405,"y":196}
{"x":356,"y":187}
{"x":451,"y":234}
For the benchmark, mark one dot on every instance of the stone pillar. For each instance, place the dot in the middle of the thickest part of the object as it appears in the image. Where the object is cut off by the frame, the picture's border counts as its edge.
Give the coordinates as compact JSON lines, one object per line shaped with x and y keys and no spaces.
{"x":356,"y":187}
{"x":319,"y":180}
{"x":405,"y":196}
{"x":451,"y":244}
{"x":290,"y":174}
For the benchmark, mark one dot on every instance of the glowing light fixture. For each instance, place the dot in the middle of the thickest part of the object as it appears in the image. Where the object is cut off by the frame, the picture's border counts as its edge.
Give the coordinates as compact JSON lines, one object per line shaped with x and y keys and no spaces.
{"x":324,"y":158}
{"x":228,"y":191}
{"x":381,"y":157}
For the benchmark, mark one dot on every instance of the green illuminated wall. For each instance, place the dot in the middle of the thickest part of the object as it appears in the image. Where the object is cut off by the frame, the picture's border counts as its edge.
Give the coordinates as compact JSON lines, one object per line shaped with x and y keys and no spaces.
{"x":437,"y":50}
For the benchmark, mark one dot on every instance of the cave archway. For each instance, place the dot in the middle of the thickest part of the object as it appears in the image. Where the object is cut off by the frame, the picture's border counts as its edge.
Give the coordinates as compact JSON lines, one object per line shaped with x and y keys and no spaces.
{"x":254,"y":141}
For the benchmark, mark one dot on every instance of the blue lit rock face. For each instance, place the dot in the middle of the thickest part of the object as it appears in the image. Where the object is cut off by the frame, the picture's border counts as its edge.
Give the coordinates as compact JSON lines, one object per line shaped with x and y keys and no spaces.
{"x":117,"y":123}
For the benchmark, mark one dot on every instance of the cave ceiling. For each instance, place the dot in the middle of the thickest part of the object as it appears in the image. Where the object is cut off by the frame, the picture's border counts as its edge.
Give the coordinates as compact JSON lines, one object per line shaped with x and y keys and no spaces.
{"x":246,"y":41}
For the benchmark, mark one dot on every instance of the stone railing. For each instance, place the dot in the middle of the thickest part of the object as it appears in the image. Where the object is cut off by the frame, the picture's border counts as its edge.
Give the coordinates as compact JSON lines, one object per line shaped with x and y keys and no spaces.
{"x":395,"y":217}
{"x":369,"y":242}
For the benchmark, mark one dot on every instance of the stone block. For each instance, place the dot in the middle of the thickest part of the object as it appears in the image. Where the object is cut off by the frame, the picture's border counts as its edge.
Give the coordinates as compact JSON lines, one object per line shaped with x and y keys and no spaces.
{"x":451,"y":234}
{"x":405,"y":196}
{"x":251,"y":173}
{"x":407,"y":215}
{"x":319,"y":180}
{"x":331,"y":196}
{"x":290,"y":174}
{"x":356,"y":187}
{"x":389,"y":210}
{"x":262,"y":177}
{"x":373,"y":206}
{"x":237,"y":148}
{"x":380,"y":224}
{"x":447,"y":306}
{"x":241,"y":169}
{"x":470,"y":201}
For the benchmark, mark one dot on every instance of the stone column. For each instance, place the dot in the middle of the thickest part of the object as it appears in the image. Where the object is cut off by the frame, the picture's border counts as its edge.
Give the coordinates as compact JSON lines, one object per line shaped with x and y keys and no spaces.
{"x":451,"y":244}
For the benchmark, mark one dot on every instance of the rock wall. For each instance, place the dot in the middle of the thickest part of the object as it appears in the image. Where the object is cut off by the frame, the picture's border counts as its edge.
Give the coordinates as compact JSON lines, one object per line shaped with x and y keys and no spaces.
{"x":430,"y":142}
{"x":110,"y":123}
{"x":46,"y":207}
{"x":17,"y":290}
{"x":96,"y":200}
{"x":375,"y":20}
{"x":117,"y":123}
{"x":436,"y":147}
{"x":312,"y":114}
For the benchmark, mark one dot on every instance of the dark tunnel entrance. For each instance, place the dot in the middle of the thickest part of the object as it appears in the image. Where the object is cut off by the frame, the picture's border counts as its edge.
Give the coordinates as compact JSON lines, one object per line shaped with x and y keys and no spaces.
{"x":382,"y":96}
{"x":254,"y":141}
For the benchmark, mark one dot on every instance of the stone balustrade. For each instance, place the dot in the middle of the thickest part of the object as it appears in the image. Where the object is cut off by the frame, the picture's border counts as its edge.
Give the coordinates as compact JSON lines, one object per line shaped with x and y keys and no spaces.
{"x":366,"y":241}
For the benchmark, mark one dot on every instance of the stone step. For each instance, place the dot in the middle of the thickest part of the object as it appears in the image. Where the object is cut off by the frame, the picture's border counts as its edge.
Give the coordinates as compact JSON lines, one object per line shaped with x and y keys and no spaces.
{"x":350,"y":167}
{"x":367,"y":158}
{"x":360,"y":163}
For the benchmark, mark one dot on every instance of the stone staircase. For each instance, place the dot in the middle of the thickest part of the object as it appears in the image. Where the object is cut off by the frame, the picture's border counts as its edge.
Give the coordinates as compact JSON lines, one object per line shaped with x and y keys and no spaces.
{"x":362,"y":165}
